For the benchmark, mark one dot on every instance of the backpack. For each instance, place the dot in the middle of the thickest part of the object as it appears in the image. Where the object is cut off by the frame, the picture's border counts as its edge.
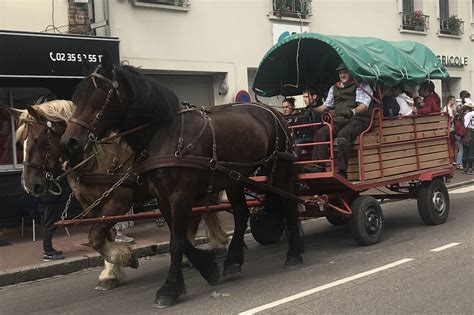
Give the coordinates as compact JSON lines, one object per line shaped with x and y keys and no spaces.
{"x":459,"y":128}
{"x":390,"y":106}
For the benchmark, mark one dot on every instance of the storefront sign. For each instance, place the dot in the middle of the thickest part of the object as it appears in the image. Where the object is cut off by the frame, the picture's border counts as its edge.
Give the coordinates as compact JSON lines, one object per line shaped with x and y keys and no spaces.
{"x":453,"y":61}
{"x":52,"y":55}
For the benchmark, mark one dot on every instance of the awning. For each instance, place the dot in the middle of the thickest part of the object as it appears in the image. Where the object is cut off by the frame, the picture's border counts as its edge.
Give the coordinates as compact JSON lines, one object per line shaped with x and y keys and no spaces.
{"x":307,"y":60}
{"x":41,"y":55}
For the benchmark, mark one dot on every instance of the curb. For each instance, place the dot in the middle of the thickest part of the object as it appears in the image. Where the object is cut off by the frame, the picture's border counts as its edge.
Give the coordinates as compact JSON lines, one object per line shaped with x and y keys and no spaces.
{"x":78,"y":263}
{"x":93,"y":260}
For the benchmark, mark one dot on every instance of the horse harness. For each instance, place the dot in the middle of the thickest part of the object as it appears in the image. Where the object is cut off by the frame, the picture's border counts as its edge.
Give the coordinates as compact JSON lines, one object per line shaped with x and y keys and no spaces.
{"x":182,"y":158}
{"x":47,"y":171}
{"x":90,"y":127}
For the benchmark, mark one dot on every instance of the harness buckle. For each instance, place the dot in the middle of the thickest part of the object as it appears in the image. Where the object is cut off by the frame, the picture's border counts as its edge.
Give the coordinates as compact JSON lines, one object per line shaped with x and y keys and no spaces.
{"x":92,"y":137}
{"x":212,"y":164}
{"x":234,"y":175}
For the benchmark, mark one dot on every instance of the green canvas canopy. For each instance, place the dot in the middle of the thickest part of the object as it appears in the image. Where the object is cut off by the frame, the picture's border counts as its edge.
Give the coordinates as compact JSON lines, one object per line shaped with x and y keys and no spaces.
{"x":309,"y":60}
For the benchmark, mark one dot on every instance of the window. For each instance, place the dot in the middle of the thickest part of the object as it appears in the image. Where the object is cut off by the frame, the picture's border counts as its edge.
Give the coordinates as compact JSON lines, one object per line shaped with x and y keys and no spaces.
{"x":10,"y":157}
{"x":292,"y":8}
{"x":413,"y":18}
{"x":165,"y":4}
{"x":449,"y":24}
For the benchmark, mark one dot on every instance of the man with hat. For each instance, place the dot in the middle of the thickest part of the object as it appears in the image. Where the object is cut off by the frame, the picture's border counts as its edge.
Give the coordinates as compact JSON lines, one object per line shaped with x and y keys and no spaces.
{"x":349,"y":102}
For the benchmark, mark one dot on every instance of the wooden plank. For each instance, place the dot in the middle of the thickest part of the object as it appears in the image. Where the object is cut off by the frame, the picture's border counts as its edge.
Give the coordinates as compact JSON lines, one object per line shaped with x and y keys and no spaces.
{"x":402,"y":152}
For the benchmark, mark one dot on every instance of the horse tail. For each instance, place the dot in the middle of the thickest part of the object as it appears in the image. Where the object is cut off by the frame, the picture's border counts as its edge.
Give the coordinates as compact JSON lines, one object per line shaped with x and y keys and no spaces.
{"x":214,"y":229}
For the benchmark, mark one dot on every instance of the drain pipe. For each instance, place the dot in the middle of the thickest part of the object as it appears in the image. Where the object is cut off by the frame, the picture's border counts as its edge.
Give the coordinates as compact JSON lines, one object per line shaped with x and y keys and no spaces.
{"x":107,"y":17}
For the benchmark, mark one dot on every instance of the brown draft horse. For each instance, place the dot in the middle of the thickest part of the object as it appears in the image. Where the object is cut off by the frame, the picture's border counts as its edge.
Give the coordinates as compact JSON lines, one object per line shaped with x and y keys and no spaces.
{"x":40,"y":127}
{"x":183,"y":154}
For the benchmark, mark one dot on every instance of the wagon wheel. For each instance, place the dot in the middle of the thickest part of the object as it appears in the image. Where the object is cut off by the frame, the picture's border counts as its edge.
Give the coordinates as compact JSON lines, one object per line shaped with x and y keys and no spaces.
{"x":433,"y":202}
{"x":366,"y":221}
{"x":337,"y":219}
{"x":267,"y":228}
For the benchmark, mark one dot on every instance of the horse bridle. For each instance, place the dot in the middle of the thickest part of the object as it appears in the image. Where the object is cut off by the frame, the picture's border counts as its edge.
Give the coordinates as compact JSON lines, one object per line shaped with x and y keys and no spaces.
{"x":90,"y":127}
{"x":47,"y":171}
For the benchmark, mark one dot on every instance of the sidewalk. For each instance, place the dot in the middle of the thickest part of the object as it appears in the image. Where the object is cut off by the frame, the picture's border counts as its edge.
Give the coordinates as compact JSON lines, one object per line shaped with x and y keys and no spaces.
{"x":22,"y":261}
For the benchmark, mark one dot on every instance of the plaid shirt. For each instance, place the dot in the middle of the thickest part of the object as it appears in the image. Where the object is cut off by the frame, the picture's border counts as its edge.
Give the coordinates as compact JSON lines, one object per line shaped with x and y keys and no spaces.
{"x":361,"y":95}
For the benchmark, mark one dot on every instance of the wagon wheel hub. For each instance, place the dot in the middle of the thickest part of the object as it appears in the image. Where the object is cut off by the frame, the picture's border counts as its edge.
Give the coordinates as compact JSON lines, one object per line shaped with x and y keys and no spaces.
{"x":439,"y":202}
{"x":372,"y":221}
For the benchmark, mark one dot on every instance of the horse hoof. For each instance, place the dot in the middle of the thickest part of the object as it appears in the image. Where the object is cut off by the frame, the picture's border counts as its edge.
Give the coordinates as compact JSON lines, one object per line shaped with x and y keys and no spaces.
{"x":107,"y":284}
{"x":164,"y":301}
{"x":214,"y":277}
{"x":231,"y":271}
{"x":294,"y":262}
{"x":133,"y":261}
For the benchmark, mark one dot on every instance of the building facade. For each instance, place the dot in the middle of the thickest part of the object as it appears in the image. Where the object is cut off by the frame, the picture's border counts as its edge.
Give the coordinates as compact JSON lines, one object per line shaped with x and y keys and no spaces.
{"x":209,"y":50}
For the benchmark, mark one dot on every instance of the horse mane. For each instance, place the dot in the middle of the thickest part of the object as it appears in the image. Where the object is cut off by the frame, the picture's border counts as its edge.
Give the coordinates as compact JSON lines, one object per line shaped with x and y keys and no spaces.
{"x":57,"y":110}
{"x":147,"y":97}
{"x":105,"y":153}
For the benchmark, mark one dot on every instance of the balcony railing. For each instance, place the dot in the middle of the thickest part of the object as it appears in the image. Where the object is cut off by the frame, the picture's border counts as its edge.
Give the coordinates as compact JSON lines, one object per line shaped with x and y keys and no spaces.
{"x":415,"y":21}
{"x":292,"y":8}
{"x":451,"y":26}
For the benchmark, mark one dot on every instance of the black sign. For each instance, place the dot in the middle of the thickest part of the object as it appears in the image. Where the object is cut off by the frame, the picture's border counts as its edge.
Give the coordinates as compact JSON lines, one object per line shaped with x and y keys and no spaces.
{"x":52,"y":55}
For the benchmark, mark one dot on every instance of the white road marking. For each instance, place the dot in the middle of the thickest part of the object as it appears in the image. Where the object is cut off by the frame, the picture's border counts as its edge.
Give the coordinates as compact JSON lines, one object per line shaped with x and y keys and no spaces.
{"x":438,"y":249}
{"x":324,"y":287}
{"x":462,"y":190}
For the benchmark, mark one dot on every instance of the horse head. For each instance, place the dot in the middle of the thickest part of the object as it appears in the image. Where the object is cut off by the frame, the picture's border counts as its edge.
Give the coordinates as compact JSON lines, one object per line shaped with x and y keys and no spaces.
{"x":40,"y":129}
{"x":116,"y":98}
{"x":100,"y":106}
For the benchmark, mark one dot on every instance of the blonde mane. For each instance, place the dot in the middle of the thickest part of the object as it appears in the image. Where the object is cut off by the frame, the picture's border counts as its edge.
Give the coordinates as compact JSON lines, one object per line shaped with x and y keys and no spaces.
{"x":57,"y":110}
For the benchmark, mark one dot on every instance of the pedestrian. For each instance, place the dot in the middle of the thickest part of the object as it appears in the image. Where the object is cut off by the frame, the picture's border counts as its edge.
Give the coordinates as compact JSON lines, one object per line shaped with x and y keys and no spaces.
{"x":50,"y":207}
{"x":468,"y":141}
{"x":450,"y":109}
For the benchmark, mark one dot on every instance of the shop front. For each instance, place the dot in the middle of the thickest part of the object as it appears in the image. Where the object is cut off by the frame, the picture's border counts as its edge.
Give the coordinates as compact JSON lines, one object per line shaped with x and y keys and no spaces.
{"x":34,"y":68}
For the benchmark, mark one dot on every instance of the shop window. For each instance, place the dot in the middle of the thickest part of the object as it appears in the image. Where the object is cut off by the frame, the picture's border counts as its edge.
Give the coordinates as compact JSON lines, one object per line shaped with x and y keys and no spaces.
{"x":164,"y":4}
{"x":292,"y":8}
{"x":10,"y":157}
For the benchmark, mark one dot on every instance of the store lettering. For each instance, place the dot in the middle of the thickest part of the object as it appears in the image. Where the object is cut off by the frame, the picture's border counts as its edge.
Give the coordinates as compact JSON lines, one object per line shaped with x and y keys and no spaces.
{"x":452,"y":61}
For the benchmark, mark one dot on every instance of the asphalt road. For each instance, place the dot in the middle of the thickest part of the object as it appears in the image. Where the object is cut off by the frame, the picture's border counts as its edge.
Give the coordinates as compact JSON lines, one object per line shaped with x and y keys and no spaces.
{"x":415,"y":269}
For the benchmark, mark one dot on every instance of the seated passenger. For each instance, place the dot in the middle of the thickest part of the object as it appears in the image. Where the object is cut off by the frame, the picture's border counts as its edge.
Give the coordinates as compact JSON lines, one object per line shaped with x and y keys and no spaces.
{"x":431,"y":100}
{"x":350,"y":104}
{"x":307,"y":116}
{"x":288,"y":106}
{"x":404,"y":101}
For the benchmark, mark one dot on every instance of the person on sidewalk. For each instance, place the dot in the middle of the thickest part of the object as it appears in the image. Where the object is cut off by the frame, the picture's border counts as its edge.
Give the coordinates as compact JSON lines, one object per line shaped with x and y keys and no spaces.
{"x":50,"y":207}
{"x":120,"y":236}
{"x":350,"y":103}
{"x":468,"y":141}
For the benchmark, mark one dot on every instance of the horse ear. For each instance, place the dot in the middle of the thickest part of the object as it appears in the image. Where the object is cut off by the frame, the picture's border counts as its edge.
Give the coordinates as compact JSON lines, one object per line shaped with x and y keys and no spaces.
{"x":15,"y":113}
{"x":34,"y":113}
{"x":107,"y":62}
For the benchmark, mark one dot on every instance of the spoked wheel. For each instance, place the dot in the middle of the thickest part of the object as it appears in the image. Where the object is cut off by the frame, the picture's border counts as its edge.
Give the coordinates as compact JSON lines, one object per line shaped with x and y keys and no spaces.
{"x":267,"y":228}
{"x":366,"y":221}
{"x":433,"y":202}
{"x":337,"y":220}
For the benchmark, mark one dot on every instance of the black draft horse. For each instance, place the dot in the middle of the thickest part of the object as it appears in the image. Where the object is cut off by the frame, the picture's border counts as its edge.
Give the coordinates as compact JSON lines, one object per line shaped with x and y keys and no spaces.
{"x":183,"y":155}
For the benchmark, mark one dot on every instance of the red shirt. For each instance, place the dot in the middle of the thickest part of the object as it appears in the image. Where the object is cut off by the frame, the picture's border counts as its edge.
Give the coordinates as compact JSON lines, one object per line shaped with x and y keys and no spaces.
{"x":432,"y":105}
